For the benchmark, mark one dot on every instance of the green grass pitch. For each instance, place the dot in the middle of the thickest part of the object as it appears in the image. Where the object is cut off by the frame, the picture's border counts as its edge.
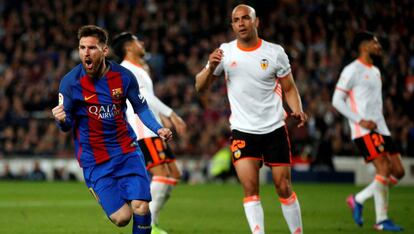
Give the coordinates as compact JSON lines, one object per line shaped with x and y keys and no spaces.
{"x":41,"y":208}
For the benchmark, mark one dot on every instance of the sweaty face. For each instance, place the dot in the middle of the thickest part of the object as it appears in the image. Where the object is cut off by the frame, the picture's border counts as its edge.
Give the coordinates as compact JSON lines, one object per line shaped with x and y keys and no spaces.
{"x":243,"y":23}
{"x":92,"y":54}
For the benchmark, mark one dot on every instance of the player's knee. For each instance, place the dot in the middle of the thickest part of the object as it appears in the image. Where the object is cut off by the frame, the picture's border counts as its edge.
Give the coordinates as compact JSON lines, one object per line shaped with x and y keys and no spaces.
{"x":398,"y":173}
{"x":176,"y":175}
{"x":122,"y":219}
{"x":283,"y":188}
{"x":250,"y":189}
{"x":140,"y":207}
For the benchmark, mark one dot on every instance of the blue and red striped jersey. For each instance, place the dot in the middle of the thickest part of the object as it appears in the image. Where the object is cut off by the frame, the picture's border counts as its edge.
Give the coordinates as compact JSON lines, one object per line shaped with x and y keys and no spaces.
{"x":95,"y":109}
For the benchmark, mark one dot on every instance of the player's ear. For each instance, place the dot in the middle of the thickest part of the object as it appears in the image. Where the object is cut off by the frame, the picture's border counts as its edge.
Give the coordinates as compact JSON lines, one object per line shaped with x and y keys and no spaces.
{"x":106,"y":50}
{"x":256,"y":22}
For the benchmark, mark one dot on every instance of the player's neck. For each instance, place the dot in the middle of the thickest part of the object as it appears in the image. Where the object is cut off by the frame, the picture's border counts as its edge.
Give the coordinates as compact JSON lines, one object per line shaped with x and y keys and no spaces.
{"x":136,"y":60}
{"x":365,"y":59}
{"x":250,"y":44}
{"x":102,"y":70}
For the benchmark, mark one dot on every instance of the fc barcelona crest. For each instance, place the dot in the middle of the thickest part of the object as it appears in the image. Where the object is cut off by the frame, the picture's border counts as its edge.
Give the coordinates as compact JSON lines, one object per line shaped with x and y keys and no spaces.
{"x":117,"y":93}
{"x":264,"y":63}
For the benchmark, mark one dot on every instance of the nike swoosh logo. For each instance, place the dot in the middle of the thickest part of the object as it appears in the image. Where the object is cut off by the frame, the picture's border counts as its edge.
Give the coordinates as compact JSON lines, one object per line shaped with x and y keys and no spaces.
{"x":87,"y":98}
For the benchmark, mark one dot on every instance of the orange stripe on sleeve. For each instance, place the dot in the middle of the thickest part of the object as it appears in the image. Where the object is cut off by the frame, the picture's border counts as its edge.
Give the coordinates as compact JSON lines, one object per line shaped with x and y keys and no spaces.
{"x":289,"y":200}
{"x":251,"y":199}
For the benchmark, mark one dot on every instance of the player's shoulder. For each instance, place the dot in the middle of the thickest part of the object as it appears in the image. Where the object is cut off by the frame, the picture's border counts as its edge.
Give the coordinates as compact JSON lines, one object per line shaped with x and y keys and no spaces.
{"x":125,"y":72}
{"x":137,"y":70}
{"x":228,"y":45}
{"x":267,"y":45}
{"x":352,"y":66}
{"x":73,"y":75}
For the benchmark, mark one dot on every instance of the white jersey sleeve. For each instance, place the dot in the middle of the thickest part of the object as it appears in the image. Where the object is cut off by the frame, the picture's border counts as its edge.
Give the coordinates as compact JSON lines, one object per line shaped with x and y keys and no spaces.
{"x":341,"y":93}
{"x":283,"y":63}
{"x":345,"y":81}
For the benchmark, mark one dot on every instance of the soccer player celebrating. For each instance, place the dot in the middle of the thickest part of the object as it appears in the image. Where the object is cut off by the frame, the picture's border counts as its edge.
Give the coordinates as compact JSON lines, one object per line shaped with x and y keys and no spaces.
{"x":253,"y":67}
{"x":159,"y":159}
{"x":92,"y":101}
{"x":358,"y":97}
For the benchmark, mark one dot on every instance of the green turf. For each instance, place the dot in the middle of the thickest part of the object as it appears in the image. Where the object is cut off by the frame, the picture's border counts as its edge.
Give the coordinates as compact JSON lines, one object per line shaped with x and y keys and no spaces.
{"x":69,"y":208}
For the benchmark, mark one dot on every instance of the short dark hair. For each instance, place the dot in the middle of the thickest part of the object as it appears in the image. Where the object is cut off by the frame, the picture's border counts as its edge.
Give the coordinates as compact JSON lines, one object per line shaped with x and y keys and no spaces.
{"x":94,"y":31}
{"x":118,"y":44}
{"x":361,"y":37}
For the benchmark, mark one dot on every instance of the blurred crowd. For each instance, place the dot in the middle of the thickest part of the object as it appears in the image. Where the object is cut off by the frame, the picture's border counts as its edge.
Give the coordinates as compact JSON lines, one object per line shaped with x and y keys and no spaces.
{"x":38,"y":46}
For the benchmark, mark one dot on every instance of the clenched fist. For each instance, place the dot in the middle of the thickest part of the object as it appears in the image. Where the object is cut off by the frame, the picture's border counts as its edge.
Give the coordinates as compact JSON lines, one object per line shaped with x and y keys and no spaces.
{"x":59,"y":113}
{"x":165,"y":134}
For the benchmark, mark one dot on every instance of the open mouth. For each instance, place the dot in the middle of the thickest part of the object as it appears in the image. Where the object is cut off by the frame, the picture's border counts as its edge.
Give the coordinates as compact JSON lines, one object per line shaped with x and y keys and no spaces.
{"x":242,"y":31}
{"x":89,"y":64}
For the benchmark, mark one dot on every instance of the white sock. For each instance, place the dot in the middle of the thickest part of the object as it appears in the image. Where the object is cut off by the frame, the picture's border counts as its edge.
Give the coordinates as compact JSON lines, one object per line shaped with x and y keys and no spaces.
{"x":381,"y":198}
{"x":366,"y":193}
{"x":160,"y":192}
{"x":291,"y":212}
{"x":254,"y":214}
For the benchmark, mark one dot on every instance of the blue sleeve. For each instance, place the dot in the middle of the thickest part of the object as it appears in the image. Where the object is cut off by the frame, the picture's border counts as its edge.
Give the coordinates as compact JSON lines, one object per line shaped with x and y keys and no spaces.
{"x":140,"y":106}
{"x":65,"y":98}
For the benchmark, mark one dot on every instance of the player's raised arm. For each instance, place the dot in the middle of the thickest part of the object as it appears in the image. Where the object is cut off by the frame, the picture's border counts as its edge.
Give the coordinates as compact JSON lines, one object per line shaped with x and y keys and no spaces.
{"x":62,"y":112}
{"x":144,"y":113}
{"x":206,"y":77}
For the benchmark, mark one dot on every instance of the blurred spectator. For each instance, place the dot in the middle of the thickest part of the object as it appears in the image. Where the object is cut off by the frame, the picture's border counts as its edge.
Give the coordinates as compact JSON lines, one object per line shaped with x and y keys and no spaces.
{"x":35,"y":52}
{"x":37,"y":174}
{"x":7,"y":174}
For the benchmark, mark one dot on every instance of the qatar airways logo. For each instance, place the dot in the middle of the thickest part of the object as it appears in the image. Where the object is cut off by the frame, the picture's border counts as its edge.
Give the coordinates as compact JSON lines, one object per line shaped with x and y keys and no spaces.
{"x":105,"y":111}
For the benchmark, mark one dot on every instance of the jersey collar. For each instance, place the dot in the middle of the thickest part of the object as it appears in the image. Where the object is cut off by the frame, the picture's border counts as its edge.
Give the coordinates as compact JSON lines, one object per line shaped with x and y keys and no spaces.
{"x":259,"y":43}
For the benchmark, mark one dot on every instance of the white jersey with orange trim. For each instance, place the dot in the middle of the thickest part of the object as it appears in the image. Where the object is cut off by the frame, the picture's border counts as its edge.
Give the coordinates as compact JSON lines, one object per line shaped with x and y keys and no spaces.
{"x":358,"y":95}
{"x":147,"y":91}
{"x":251,"y":75}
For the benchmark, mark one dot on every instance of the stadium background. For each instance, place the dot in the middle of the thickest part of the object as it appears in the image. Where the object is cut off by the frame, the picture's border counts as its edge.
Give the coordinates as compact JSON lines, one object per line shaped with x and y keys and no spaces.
{"x":38,"y":46}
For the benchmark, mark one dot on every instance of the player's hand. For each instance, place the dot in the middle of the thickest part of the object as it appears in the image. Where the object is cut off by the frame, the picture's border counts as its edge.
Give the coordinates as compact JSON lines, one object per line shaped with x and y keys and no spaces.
{"x":179,"y":124}
{"x":165,"y":134}
{"x":214,"y":59}
{"x":368,"y":124}
{"x":59,"y":113}
{"x":301,"y":117}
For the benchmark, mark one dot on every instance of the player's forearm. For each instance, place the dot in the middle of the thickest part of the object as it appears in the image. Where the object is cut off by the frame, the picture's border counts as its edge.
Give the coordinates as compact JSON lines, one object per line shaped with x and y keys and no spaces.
{"x":204,"y":79}
{"x":293,"y":100}
{"x":157,"y":105}
{"x":148,"y":118}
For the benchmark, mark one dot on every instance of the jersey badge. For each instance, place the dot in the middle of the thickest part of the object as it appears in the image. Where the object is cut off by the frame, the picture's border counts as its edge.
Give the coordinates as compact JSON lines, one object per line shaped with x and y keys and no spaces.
{"x":264,"y":63}
{"x":60,"y":99}
{"x":237,"y":154}
{"x":233,"y":64}
{"x":117,"y":93}
{"x":235,"y":147}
